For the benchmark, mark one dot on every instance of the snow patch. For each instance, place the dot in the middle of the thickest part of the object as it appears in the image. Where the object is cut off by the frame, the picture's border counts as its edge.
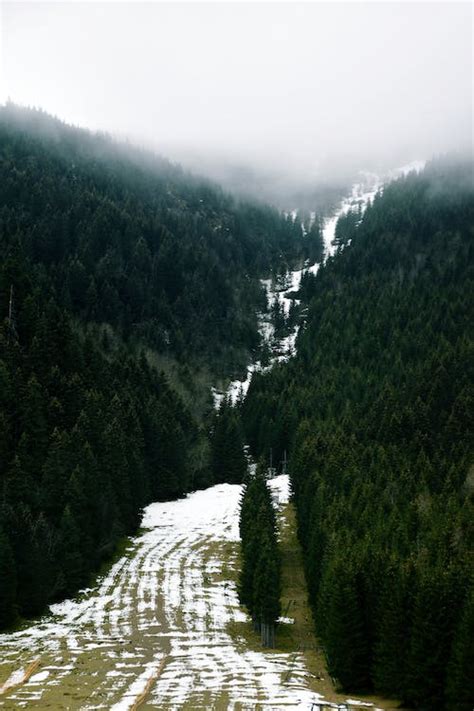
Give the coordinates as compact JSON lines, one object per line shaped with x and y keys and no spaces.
{"x":36,"y":678}
{"x":13,"y":680}
{"x":167,"y":600}
{"x":280,"y":488}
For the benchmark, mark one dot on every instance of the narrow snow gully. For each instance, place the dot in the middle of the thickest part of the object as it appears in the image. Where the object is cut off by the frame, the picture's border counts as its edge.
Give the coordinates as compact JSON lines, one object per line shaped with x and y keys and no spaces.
{"x":281,"y":350}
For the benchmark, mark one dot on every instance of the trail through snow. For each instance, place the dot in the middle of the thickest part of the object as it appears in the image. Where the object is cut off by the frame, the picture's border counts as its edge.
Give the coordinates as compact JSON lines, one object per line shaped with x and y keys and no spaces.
{"x":157,"y":624}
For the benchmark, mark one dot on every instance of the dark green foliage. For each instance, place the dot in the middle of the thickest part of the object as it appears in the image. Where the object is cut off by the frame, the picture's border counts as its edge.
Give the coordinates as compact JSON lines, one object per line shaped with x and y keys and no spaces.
{"x":8,"y":578}
{"x":89,"y":441}
{"x":346,"y":228}
{"x":259,"y":585}
{"x":460,"y":680}
{"x":376,"y":411}
{"x":69,"y":551}
{"x":228,"y":461}
{"x":124,"y":237}
{"x":315,"y":233}
{"x":344,"y":627}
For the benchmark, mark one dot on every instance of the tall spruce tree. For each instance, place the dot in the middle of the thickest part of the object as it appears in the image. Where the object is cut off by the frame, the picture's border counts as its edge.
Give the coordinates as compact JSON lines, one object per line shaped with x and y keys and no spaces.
{"x":259,"y":583}
{"x":228,"y":459}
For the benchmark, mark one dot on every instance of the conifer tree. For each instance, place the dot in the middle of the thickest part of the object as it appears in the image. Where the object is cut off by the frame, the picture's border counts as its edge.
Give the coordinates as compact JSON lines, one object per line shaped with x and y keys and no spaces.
{"x":460,"y":679}
{"x":259,"y":583}
{"x":8,"y":611}
{"x":228,"y":459}
{"x":69,"y":549}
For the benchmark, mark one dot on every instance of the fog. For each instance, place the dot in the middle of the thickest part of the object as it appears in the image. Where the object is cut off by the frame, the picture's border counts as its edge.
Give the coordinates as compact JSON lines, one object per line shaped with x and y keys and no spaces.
{"x":281,"y":93}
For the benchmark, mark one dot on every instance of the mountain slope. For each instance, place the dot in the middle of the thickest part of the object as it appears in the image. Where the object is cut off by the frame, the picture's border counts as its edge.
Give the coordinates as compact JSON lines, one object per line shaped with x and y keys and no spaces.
{"x":123,"y":237}
{"x":110,"y":259}
{"x":376,"y":411}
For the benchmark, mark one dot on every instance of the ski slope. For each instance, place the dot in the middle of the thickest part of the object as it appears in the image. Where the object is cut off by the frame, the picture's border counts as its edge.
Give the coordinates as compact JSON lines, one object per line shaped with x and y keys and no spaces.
{"x":163,"y":623}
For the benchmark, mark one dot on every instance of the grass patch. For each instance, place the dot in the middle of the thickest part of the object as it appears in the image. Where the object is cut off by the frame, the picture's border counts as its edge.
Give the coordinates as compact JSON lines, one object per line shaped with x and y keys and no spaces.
{"x":300,"y":637}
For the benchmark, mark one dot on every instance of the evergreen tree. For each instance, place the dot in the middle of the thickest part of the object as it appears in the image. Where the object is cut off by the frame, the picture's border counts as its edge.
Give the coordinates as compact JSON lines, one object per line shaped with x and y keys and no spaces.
{"x":69,"y":549}
{"x":228,"y":459}
{"x":259,"y":583}
{"x":8,"y":610}
{"x":460,"y":680}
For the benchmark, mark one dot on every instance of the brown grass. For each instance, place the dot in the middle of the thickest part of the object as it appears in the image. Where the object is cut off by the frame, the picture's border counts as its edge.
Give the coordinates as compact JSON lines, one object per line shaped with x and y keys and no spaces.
{"x":29,"y":671}
{"x":141,"y":698}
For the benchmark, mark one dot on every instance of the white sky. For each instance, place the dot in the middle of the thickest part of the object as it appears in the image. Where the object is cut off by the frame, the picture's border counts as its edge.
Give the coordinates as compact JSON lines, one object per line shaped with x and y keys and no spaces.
{"x":287,"y":84}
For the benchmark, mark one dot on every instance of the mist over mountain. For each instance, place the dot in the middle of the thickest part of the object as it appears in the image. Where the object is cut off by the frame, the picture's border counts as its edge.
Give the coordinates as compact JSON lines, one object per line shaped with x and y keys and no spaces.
{"x":274,"y":98}
{"x":264,"y":183}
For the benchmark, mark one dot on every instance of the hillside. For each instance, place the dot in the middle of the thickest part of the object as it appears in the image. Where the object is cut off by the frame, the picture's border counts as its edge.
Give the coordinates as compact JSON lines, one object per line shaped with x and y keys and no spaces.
{"x":376,"y":413}
{"x":110,"y":260}
{"x":123,"y":237}
{"x":116,"y":264}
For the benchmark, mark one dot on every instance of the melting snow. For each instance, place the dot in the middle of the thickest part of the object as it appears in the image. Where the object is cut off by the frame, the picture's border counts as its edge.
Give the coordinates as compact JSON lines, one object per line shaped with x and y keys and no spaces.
{"x":15,"y":678}
{"x":41,"y":676}
{"x":362,"y":192}
{"x":158,"y":623}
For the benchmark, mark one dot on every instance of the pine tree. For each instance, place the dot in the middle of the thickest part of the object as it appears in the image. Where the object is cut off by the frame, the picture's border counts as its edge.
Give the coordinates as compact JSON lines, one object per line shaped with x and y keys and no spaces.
{"x":259,"y":582}
{"x":69,"y":551}
{"x":8,"y":611}
{"x":460,"y":680}
{"x":228,"y":460}
{"x":344,"y":633}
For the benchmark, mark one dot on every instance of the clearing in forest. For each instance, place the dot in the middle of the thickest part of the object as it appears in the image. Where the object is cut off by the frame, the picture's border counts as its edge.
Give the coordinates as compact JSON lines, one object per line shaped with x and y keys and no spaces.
{"x":162,"y":629}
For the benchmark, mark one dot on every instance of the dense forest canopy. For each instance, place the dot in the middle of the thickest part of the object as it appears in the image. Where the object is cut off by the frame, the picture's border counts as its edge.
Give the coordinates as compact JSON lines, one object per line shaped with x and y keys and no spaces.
{"x":377,"y":413}
{"x":121,"y":236}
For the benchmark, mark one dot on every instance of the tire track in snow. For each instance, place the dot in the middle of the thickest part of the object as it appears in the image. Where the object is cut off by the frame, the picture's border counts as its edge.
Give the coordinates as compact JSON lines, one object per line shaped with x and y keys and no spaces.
{"x":156,"y":625}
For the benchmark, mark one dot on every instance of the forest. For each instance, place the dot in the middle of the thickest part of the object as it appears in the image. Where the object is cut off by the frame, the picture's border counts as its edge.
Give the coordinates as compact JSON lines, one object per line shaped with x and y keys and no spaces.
{"x":113,"y":260}
{"x":110,"y":255}
{"x":376,"y":412}
{"x":123,"y":237}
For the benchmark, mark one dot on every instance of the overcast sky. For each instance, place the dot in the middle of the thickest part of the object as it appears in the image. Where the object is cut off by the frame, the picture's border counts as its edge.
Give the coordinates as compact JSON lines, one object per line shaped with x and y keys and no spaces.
{"x":296,"y":86}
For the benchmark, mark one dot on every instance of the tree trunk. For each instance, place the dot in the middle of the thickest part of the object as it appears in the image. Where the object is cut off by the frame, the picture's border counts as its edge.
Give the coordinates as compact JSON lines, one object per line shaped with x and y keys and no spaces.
{"x":268,"y":635}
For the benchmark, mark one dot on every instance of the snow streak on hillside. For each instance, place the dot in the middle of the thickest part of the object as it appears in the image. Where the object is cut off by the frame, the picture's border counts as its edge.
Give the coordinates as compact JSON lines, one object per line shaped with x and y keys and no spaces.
{"x":361,"y":194}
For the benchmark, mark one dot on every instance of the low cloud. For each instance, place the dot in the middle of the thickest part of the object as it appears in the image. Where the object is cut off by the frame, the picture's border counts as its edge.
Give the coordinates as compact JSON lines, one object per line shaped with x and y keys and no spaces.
{"x":298,"y":91}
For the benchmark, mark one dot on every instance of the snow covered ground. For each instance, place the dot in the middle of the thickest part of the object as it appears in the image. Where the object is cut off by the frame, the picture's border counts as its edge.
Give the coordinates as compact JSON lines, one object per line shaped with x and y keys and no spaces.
{"x":161,"y":626}
{"x":157,"y":623}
